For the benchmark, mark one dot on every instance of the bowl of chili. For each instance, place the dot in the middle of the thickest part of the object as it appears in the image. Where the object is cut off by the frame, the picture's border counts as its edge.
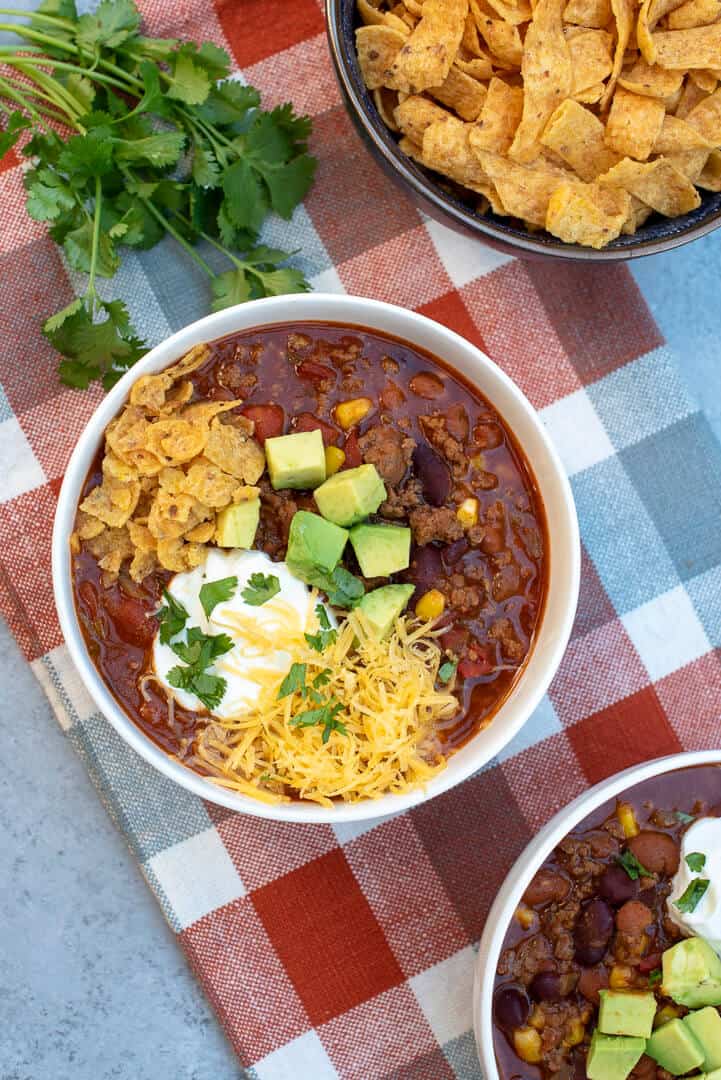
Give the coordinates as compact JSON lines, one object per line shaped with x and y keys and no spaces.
{"x":584,"y":909}
{"x":420,"y":379}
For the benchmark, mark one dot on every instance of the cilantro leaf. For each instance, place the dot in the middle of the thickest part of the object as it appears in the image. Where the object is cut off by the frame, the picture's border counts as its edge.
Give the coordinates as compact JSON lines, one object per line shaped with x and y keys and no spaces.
{"x":632,"y":866}
{"x":88,"y":155}
{"x":343,"y":588}
{"x":325,"y":636}
{"x":282,"y":281}
{"x":78,"y":245}
{"x":325,"y":715}
{"x":696,"y":861}
{"x":49,"y":195}
{"x":655,"y":977}
{"x":260,"y":588}
{"x":216,"y":592}
{"x":16,"y":123}
{"x":65,"y":9}
{"x":289,"y":184}
{"x":172,"y":618}
{"x":112,"y":23}
{"x":206,"y":171}
{"x":230,"y":288}
{"x":246,"y":203}
{"x":209,"y":689}
{"x":90,"y":349}
{"x":229,"y":103}
{"x":321,"y":612}
{"x":692,"y":897}
{"x":200,"y":649}
{"x":190,"y":81}
{"x":82,"y":89}
{"x":685,"y":819}
{"x":322,"y":678}
{"x":447,"y":670}
{"x":160,"y":149}
{"x":294,"y":681}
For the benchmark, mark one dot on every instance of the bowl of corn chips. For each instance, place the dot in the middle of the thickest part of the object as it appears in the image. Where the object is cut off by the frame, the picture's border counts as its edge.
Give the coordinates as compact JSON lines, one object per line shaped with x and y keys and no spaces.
{"x":584,"y":129}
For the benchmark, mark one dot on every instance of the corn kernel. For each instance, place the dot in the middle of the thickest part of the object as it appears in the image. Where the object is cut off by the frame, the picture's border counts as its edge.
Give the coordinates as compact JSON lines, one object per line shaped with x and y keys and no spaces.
{"x":334,"y":458}
{"x":431,"y":605}
{"x":478,"y":461}
{"x":467,"y":513}
{"x":537,"y":1019}
{"x":620,"y":977}
{"x":668,"y":1012}
{"x":527,"y":1044}
{"x":627,"y":817}
{"x":525,"y":916}
{"x":575,"y":1032}
{"x":349,"y":413}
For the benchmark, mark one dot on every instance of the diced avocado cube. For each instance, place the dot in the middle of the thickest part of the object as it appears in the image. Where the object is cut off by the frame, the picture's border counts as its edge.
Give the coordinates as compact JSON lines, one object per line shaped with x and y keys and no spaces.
{"x":626,"y":1012}
{"x":381,"y":550}
{"x":382,"y":607}
{"x":705,"y":1026}
{"x":692,"y":973}
{"x":612,"y":1057}
{"x":675,"y":1048}
{"x":296,"y":461}
{"x":351,"y":495}
{"x":314,"y":545}
{"x":236,"y":525}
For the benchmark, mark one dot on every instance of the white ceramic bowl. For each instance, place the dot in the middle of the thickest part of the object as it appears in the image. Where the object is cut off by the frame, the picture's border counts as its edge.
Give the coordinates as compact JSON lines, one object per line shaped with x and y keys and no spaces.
{"x":526,"y":865}
{"x":517,"y":412}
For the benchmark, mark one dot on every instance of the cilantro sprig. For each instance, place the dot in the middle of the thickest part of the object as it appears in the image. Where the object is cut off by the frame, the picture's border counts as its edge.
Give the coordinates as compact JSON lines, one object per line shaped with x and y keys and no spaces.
{"x":692,"y":896}
{"x":260,"y":588}
{"x":216,"y":592}
{"x":632,"y":866}
{"x":326,"y":710}
{"x":696,"y":861}
{"x":160,"y":143}
{"x":326,"y":634}
{"x":198,"y":652}
{"x":172,"y":618}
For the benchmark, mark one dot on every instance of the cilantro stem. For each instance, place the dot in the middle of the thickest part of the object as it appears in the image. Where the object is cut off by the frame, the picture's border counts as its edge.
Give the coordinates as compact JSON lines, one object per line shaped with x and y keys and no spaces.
{"x":162,"y":220}
{"x":10,"y":92}
{"x":39,"y":16}
{"x":60,"y":95}
{"x":61,"y":65}
{"x":26,"y":32}
{"x":60,"y":117}
{"x":90,"y":293}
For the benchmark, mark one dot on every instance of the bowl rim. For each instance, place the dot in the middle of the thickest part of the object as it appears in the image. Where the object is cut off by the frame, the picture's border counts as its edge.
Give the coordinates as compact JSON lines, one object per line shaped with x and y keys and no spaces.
{"x":416,"y":328}
{"x":403,"y":167}
{"x":525,"y":866}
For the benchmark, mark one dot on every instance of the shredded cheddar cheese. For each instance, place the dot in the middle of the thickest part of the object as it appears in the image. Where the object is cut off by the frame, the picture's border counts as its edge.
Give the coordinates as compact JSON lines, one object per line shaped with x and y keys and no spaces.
{"x":390,"y":709}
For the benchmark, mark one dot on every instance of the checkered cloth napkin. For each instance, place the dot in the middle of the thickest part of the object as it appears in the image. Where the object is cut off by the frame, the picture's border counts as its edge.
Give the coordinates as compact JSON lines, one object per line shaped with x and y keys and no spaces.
{"x":349,"y":951}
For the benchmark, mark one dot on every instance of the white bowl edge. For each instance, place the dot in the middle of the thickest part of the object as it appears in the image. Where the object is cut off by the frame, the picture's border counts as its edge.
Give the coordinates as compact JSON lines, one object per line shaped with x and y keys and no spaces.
{"x":516,"y":411}
{"x":526,"y":865}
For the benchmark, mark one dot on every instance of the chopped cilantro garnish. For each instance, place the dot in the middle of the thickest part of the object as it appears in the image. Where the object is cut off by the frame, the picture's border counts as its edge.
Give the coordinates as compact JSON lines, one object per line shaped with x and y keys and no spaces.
{"x":217,"y":592}
{"x":342,"y":588}
{"x":654,"y":977}
{"x":326,"y":635}
{"x":294,"y":681}
{"x":632,"y":866}
{"x":325,"y":715}
{"x":172,"y":618}
{"x":447,"y":670}
{"x":207,"y":688}
{"x":692,"y":897}
{"x":696,"y":861}
{"x":198,"y":652}
{"x":685,"y":819}
{"x":260,"y":587}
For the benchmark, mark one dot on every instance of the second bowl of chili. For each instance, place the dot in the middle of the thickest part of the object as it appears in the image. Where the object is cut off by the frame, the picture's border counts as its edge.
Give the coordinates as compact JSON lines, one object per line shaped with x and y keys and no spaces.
{"x":449,"y":435}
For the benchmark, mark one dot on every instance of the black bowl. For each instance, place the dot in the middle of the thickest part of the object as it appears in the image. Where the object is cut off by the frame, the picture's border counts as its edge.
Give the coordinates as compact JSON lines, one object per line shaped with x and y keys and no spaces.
{"x":658,"y":234}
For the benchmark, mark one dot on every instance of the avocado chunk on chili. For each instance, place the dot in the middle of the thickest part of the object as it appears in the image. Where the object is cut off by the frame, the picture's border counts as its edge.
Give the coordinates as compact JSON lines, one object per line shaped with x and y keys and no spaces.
{"x":349,"y":496}
{"x":297,"y":460}
{"x":382,"y":607}
{"x":381,"y":550}
{"x":314,"y":545}
{"x":705,"y":1026}
{"x":236,"y":525}
{"x":613,"y":1057}
{"x":692,"y":974}
{"x":675,"y":1048}
{"x":626,"y":1012}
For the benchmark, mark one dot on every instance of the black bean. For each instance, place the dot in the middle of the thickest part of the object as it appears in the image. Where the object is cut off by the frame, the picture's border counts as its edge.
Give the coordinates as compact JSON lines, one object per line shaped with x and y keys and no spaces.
{"x":592,"y":931}
{"x":546,"y":986}
{"x":433,"y":474}
{"x":616,"y":886}
{"x":511,"y":1007}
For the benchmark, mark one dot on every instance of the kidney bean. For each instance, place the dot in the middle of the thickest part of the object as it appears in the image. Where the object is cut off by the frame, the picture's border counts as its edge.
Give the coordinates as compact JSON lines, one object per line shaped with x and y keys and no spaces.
{"x":633,"y":918}
{"x":269,"y":420}
{"x":656,"y":851}
{"x":487,"y":435}
{"x":473,"y":669}
{"x":315,"y":373}
{"x":455,"y":639}
{"x":650,"y":963}
{"x":426,"y":567}
{"x":545,"y":887}
{"x":426,"y":385}
{"x":306,"y":421}
{"x":592,"y":931}
{"x":591,"y":981}
{"x":352,"y":452}
{"x":453,"y":552}
{"x":616,"y":886}
{"x":511,"y":1007}
{"x":494,"y":540}
{"x":457,"y":422}
{"x":546,"y":986}
{"x":433,"y":474}
{"x":392,"y":397}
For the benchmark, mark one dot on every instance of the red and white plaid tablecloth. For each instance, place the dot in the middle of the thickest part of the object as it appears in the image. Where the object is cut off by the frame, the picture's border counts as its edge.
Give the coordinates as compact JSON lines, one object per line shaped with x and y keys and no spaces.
{"x":349,"y":951}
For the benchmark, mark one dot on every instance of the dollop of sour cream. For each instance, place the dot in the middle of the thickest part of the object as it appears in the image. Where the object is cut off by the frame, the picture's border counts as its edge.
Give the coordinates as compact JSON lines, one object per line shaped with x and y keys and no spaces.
{"x":702,"y":837}
{"x":263,"y":635}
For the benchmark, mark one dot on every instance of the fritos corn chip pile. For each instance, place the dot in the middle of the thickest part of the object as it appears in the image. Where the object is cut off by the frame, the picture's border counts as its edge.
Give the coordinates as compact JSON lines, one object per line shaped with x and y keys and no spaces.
{"x":169,"y":465}
{"x":582,"y":117}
